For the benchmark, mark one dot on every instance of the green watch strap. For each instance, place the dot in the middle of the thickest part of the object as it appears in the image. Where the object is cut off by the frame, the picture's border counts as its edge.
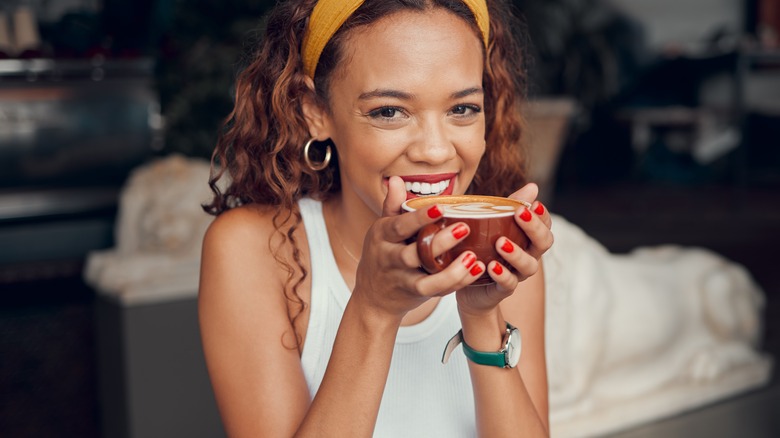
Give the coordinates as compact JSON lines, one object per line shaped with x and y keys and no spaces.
{"x":495,"y":358}
{"x":499,"y":359}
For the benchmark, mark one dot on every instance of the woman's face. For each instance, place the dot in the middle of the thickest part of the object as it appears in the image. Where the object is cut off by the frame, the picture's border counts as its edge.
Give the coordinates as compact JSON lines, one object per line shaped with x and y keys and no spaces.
{"x":407,"y":100}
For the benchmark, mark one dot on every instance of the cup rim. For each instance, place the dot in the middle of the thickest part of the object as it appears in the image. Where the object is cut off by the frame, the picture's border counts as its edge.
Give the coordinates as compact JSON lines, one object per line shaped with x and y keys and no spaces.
{"x":519,"y":204}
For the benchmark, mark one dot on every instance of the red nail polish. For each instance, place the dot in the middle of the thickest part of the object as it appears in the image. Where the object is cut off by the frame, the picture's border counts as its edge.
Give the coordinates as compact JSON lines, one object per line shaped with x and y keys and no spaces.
{"x":469,"y":260}
{"x":525,"y":215}
{"x":459,"y":231}
{"x":539,"y":210}
{"x":434,"y":212}
{"x":476,"y":270}
{"x":497,"y":269}
{"x":507,"y":246}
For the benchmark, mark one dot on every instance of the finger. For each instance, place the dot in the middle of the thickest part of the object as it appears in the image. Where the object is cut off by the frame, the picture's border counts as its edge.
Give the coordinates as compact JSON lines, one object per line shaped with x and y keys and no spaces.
{"x":396,"y":195}
{"x":541,"y":211}
{"x":409,"y":256}
{"x":524,"y":263}
{"x":463,"y":271}
{"x":400,"y":228}
{"x":526,"y":194}
{"x":443,"y":240}
{"x":403,"y":226}
{"x":539,"y":235}
{"x":448,"y":237}
{"x":505,"y":280}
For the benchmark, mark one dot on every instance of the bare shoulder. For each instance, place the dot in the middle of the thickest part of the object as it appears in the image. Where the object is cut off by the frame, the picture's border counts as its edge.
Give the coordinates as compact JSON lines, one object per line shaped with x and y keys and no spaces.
{"x":248,"y":338}
{"x":247,"y":237}
{"x":243,"y":248}
{"x":253,"y":222}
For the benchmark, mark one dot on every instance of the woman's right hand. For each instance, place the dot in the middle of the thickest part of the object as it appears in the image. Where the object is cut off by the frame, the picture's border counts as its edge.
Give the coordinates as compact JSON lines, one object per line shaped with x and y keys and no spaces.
{"x":389,"y":278}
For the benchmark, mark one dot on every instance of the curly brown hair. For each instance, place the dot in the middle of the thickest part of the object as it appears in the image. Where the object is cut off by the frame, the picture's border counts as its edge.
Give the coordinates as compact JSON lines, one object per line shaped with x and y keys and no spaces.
{"x":260,"y":147}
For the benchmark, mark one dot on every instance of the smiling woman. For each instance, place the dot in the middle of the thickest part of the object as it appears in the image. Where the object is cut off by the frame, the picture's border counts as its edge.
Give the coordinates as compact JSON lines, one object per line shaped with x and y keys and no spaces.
{"x":426,"y":131}
{"x":348,"y":109}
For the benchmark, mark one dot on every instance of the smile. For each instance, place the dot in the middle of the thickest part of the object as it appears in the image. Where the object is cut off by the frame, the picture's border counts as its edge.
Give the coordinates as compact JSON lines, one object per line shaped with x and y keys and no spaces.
{"x":428,"y":185}
{"x":425,"y":188}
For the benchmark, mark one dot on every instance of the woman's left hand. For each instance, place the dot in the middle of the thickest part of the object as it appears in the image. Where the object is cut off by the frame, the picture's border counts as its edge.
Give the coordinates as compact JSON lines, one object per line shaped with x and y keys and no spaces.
{"x":536,"y":223}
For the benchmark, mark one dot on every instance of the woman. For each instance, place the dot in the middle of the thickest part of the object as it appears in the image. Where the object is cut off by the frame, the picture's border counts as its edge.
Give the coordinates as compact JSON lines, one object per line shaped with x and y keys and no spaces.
{"x":315,"y":318}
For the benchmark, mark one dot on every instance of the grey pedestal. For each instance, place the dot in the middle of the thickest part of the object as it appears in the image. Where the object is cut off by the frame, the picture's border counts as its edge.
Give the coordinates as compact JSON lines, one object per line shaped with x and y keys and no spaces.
{"x":152,"y":374}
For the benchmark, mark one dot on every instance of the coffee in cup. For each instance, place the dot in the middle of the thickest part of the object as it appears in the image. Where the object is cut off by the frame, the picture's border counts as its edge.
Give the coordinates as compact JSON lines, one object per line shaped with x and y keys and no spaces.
{"x":488,"y":218}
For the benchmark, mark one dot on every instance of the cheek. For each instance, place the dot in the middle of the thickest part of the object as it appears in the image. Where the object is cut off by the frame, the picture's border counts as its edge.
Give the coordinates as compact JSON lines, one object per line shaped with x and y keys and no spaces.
{"x":366,"y":159}
{"x":476,"y":146}
{"x":368,"y":155}
{"x":473,"y":154}
{"x":369,"y":149}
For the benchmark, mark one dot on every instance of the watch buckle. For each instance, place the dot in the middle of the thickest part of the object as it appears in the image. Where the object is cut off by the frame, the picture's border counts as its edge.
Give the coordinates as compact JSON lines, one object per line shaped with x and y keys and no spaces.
{"x":451,"y":345}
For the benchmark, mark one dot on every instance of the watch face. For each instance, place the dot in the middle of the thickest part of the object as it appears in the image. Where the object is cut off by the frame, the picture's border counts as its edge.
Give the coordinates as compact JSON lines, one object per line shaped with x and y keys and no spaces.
{"x":514,"y":348}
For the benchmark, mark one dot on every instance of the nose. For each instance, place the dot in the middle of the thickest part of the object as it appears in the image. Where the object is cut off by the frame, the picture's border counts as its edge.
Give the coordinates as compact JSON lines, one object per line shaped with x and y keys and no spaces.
{"x":433,"y":144}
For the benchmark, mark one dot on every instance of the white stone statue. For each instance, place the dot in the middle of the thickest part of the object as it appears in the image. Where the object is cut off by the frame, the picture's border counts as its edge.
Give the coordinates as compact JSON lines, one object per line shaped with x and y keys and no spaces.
{"x":637,"y":337}
{"x":630,"y":338}
{"x":158,"y":233}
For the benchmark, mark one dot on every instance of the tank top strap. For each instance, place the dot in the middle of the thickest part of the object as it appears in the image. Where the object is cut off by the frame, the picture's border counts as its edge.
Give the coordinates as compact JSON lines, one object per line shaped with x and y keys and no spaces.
{"x":325,"y":274}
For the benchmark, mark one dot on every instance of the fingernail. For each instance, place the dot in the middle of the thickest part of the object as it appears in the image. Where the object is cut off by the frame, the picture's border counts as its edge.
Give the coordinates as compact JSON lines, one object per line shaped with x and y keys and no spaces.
{"x":434,"y":212}
{"x":459,"y":231}
{"x":539,"y":210}
{"x":469,"y":259}
{"x":498,"y":269}
{"x":525,"y":215}
{"x":507,"y":246}
{"x":475,"y":270}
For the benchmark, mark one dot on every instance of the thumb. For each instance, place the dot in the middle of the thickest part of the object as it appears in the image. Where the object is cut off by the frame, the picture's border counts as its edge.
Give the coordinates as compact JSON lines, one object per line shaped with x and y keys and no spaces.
{"x":396,"y":195}
{"x":527,"y":193}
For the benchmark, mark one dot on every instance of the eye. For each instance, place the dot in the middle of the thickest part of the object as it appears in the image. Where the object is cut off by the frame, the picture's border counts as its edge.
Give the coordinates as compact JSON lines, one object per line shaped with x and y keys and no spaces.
{"x":465,"y":110}
{"x":386,"y":112}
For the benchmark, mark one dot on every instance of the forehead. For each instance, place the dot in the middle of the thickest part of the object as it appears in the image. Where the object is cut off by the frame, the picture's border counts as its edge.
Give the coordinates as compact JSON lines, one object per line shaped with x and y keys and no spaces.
{"x":408,"y":47}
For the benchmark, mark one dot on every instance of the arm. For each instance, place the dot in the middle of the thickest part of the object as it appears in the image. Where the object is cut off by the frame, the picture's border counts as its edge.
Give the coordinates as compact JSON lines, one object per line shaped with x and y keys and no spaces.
{"x":250,"y":351}
{"x":251,"y":357}
{"x":511,"y":402}
{"x":247,"y":338}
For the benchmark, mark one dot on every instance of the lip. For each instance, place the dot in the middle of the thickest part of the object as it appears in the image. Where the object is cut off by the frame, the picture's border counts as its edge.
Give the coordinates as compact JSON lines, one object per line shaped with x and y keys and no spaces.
{"x":431,"y":178}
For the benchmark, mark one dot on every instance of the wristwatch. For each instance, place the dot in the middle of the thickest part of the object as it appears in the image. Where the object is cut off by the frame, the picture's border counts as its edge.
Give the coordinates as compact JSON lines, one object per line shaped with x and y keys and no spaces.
{"x":507,"y":357}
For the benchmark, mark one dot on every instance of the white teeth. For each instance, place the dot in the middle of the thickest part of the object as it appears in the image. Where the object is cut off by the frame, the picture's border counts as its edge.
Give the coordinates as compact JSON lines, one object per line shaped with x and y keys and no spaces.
{"x":427,"y":188}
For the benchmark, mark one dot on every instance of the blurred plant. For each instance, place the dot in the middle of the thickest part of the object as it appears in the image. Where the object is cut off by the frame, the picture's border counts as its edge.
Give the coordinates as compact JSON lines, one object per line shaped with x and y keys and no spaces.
{"x":199,"y":56}
{"x":590,"y":51}
{"x":585,"y":49}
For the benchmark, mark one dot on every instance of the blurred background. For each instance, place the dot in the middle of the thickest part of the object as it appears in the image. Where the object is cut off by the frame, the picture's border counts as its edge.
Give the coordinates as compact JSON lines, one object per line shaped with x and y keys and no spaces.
{"x":650,"y":122}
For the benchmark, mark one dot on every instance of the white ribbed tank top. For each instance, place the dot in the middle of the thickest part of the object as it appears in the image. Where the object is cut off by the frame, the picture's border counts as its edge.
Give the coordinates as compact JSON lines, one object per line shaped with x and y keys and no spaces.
{"x":422,"y":397}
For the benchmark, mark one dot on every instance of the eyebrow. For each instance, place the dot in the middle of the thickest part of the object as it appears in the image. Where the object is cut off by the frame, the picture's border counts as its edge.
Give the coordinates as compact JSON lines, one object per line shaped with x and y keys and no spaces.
{"x":467,"y":92}
{"x":378,"y":93}
{"x":385,"y":93}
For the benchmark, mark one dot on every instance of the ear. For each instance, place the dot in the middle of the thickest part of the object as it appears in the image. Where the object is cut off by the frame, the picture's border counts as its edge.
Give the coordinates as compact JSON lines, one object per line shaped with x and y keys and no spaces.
{"x":316,"y":116}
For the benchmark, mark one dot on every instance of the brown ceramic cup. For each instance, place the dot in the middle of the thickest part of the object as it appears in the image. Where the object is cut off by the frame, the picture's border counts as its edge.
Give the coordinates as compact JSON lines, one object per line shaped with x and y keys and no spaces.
{"x":488,"y":218}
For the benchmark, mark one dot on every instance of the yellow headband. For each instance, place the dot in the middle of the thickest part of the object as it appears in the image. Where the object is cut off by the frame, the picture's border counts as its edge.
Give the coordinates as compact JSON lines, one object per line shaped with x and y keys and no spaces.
{"x":328,"y":16}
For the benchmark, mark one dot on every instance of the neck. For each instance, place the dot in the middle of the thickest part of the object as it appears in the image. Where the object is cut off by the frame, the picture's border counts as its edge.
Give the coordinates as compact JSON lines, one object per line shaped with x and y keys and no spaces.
{"x":348,"y":227}
{"x":348,"y":223}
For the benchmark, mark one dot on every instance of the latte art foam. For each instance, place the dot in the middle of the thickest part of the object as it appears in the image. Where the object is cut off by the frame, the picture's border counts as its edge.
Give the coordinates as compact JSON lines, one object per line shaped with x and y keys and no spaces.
{"x":467,"y":206}
{"x":474,"y":209}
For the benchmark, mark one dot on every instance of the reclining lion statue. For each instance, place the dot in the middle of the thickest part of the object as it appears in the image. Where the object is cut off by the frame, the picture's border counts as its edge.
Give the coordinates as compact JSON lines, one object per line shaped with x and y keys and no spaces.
{"x":630,"y":338}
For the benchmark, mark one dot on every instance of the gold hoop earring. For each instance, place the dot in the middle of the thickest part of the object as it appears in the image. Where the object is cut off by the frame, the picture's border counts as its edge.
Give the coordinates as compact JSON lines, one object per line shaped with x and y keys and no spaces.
{"x":318,"y":166}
